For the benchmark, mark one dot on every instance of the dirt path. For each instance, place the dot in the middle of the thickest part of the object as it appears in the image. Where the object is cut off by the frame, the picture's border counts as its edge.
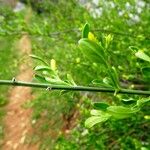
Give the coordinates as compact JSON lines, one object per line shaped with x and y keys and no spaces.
{"x":17,"y":120}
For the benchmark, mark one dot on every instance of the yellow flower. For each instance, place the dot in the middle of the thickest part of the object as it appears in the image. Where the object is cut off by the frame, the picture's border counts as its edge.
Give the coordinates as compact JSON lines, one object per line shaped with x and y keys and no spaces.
{"x":92,"y":37}
{"x":108,"y":39}
{"x":53,"y":64}
{"x":147,"y":117}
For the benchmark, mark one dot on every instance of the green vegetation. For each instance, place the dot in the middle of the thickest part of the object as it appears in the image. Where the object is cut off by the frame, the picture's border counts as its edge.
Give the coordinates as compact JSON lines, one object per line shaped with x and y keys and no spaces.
{"x":113,"y":51}
{"x":8,"y":67}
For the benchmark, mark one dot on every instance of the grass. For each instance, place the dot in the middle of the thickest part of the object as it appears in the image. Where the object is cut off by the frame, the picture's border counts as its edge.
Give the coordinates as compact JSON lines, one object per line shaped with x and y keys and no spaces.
{"x":8,"y":69}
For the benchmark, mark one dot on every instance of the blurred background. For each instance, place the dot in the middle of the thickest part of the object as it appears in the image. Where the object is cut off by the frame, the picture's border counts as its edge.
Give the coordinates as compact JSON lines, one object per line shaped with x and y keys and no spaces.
{"x":51,"y":29}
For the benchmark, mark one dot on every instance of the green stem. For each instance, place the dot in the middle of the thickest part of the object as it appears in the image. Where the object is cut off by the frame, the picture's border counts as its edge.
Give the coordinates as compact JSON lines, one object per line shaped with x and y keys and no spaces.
{"x":72,"y":88}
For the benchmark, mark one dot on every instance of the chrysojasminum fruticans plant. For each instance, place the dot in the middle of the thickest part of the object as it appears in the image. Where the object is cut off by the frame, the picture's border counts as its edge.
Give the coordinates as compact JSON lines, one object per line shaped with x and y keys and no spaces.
{"x":97,"y":52}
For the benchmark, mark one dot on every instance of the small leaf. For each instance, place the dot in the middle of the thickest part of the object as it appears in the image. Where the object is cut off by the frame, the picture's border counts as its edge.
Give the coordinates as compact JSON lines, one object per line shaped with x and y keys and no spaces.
{"x":143,"y":101}
{"x":121,"y":109}
{"x":133,"y":48}
{"x":128,"y":101}
{"x":142,"y":55}
{"x":108,"y":81}
{"x":55,"y":81}
{"x":43,"y":68}
{"x":95,"y":112}
{"x":120,"y":112}
{"x":101,"y":106}
{"x":100,"y":83}
{"x":90,"y":122}
{"x":40,"y":78}
{"x":115,"y":77}
{"x":70,"y":79}
{"x":38,"y":58}
{"x":64,"y":92}
{"x":85,"y":30}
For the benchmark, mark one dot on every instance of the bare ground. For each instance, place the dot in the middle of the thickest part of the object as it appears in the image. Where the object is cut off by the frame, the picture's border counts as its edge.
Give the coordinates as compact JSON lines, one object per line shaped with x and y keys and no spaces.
{"x":18,"y":119}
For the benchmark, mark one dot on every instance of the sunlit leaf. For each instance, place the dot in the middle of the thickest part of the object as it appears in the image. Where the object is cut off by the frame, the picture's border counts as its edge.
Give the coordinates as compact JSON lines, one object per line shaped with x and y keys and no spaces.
{"x":90,"y":122}
{"x":142,"y":55}
{"x":95,"y":112}
{"x":108,"y":81}
{"x":121,"y":112}
{"x":129,"y":101}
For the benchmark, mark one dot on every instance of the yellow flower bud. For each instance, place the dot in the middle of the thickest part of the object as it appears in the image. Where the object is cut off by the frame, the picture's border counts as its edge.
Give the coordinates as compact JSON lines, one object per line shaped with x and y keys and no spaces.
{"x":53,"y":64}
{"x":147,"y":117}
{"x":91,"y":37}
{"x":108,"y":38}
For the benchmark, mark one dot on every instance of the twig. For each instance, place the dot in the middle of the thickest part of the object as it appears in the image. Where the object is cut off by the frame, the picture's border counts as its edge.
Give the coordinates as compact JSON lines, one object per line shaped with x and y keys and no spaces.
{"x":72,"y":88}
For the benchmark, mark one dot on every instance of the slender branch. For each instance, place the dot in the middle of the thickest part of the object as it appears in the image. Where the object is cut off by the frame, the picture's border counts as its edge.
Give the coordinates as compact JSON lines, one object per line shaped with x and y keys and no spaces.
{"x":72,"y":88}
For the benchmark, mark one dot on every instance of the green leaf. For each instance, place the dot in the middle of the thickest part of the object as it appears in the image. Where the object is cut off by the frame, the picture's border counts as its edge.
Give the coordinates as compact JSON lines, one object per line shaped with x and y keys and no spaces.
{"x":100,"y":83}
{"x":121,"y":109}
{"x":90,"y":122}
{"x":101,"y":106}
{"x":108,"y":81}
{"x":115,"y":77}
{"x":143,"y":101}
{"x":55,"y":81}
{"x":146,"y":72}
{"x":43,"y":68}
{"x":133,"y":48}
{"x":38,"y":58}
{"x":64,"y":92}
{"x":142,"y":55}
{"x":120,"y":112}
{"x":40,"y":78}
{"x":85,"y":30}
{"x":70,"y":79}
{"x":128,"y":101}
{"x":95,"y":112}
{"x":92,"y":51}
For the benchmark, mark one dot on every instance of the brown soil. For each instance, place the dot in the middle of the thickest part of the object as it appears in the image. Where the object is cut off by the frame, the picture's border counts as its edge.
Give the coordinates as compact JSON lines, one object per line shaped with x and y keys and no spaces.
{"x":18,"y":119}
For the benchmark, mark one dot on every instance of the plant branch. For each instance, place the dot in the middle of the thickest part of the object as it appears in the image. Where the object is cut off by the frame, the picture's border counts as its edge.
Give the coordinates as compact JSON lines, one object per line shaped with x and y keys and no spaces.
{"x":72,"y":88}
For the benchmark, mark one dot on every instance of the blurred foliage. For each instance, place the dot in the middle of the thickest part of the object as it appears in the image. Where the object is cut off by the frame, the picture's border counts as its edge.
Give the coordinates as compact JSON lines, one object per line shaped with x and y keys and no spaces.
{"x":55,"y":28}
